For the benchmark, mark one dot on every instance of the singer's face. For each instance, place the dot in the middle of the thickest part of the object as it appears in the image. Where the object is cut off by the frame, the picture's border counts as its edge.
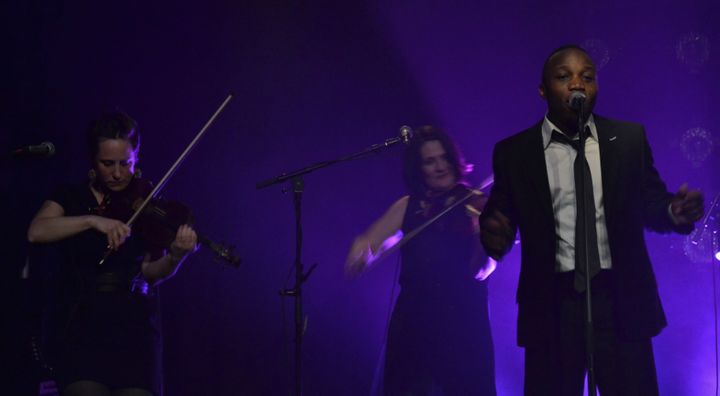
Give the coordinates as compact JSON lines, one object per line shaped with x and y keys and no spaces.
{"x":436,"y":168}
{"x":568,"y":71}
{"x":115,"y":163}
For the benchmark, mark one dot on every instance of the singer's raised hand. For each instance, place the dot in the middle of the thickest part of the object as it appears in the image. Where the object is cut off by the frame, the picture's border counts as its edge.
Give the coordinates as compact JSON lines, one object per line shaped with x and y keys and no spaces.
{"x":496,"y":235}
{"x":687,"y":206}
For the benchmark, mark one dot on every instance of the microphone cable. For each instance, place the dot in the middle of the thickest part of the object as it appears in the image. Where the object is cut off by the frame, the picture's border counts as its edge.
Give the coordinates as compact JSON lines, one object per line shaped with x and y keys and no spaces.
{"x":715,"y":312}
{"x":714,"y":250}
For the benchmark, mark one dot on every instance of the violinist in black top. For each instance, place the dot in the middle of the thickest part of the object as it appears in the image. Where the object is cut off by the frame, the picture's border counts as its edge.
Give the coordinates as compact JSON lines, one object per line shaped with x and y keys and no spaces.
{"x":439,"y":334}
{"x":105,"y":338}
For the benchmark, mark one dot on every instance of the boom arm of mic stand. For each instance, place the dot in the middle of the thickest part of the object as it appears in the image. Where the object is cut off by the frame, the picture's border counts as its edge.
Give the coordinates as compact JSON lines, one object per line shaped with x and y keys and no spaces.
{"x":303,"y":171}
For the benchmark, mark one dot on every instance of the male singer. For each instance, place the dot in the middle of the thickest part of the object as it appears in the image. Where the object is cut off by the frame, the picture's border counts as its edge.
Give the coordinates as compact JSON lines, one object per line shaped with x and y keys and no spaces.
{"x":535,"y":192}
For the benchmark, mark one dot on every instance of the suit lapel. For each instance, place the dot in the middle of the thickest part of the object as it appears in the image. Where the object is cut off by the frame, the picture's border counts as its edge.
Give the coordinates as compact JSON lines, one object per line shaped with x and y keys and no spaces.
{"x":608,"y":140}
{"x":536,"y":169}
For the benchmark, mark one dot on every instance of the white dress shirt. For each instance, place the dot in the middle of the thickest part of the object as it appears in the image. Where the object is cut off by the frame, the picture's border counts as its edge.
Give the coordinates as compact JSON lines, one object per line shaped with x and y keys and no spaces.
{"x":559,"y":159}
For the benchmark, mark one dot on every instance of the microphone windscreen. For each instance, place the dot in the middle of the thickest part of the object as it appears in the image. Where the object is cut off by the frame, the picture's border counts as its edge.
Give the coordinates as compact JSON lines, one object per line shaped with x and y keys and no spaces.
{"x":576,"y":100}
{"x":406,"y":133}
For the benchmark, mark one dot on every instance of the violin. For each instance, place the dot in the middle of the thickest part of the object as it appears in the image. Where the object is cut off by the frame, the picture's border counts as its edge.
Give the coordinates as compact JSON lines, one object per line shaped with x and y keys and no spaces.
{"x":162,"y":218}
{"x":157,"y":223}
{"x":474,"y":201}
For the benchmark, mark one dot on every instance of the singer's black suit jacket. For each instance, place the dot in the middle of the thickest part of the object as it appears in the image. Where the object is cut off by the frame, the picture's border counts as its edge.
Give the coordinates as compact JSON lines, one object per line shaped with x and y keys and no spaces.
{"x":634,"y":198}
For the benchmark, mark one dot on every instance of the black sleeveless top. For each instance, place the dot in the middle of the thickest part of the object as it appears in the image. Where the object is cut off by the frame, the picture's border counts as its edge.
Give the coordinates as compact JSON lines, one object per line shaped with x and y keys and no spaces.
{"x":439,"y":259}
{"x":80,"y":273}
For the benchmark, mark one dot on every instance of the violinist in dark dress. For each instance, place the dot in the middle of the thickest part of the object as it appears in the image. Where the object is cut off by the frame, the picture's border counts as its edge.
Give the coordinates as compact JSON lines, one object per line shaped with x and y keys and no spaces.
{"x":439,"y":334}
{"x":103,"y":334}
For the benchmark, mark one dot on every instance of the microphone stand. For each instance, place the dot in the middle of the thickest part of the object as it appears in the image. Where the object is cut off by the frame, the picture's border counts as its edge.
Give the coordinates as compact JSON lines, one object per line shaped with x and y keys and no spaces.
{"x":298,"y":186}
{"x":589,"y":329}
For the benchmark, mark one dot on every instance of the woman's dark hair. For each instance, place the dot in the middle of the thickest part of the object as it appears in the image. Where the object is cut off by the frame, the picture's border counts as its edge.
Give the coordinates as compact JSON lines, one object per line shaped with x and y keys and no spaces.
{"x":112,"y":125}
{"x":412,"y":162}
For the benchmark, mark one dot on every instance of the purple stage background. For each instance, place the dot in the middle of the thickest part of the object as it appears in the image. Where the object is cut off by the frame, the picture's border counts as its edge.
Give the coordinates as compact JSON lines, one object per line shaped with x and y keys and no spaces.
{"x":321,"y":79}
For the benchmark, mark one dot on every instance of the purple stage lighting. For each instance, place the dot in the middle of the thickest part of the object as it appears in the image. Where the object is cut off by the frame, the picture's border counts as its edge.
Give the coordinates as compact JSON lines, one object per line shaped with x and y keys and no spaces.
{"x":697,"y":145}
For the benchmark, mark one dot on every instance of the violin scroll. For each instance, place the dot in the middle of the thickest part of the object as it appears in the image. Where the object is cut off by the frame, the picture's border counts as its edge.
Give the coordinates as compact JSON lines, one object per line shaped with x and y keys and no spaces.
{"x":221,"y":251}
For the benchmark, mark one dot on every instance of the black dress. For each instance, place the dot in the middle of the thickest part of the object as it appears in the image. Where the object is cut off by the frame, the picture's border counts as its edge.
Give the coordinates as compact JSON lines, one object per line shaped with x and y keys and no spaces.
{"x":439,"y":334}
{"x":102,"y":324}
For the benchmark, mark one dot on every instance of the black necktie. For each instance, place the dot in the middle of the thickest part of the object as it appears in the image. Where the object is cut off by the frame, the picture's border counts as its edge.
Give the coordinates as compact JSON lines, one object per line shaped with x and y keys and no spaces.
{"x":585,"y":205}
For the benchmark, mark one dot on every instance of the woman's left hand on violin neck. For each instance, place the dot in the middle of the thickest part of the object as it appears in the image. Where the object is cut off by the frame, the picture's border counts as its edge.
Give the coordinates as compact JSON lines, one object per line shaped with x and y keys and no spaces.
{"x":185,"y":242}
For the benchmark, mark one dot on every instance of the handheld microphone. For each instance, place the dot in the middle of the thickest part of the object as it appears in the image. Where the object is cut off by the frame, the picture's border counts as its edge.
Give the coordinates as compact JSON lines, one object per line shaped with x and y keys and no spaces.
{"x":406,"y":134}
{"x":44,"y":149}
{"x":576,"y":100}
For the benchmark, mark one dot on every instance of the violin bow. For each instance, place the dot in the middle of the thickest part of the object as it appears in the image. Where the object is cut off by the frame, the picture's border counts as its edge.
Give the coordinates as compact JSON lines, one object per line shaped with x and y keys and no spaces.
{"x":412,"y":234}
{"x":156,"y":190}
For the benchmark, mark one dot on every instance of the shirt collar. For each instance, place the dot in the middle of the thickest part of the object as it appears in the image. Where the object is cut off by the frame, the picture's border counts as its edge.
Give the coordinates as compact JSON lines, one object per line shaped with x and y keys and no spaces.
{"x":548,"y":127}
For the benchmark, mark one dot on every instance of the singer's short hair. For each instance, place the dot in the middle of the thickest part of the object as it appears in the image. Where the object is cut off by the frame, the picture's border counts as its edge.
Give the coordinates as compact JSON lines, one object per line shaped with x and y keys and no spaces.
{"x":557,"y":50}
{"x":412,"y":162}
{"x":112,"y":125}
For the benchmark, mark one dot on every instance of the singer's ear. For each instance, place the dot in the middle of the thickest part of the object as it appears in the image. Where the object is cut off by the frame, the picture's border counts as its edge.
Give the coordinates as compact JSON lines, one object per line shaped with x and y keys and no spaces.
{"x":541,"y":91}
